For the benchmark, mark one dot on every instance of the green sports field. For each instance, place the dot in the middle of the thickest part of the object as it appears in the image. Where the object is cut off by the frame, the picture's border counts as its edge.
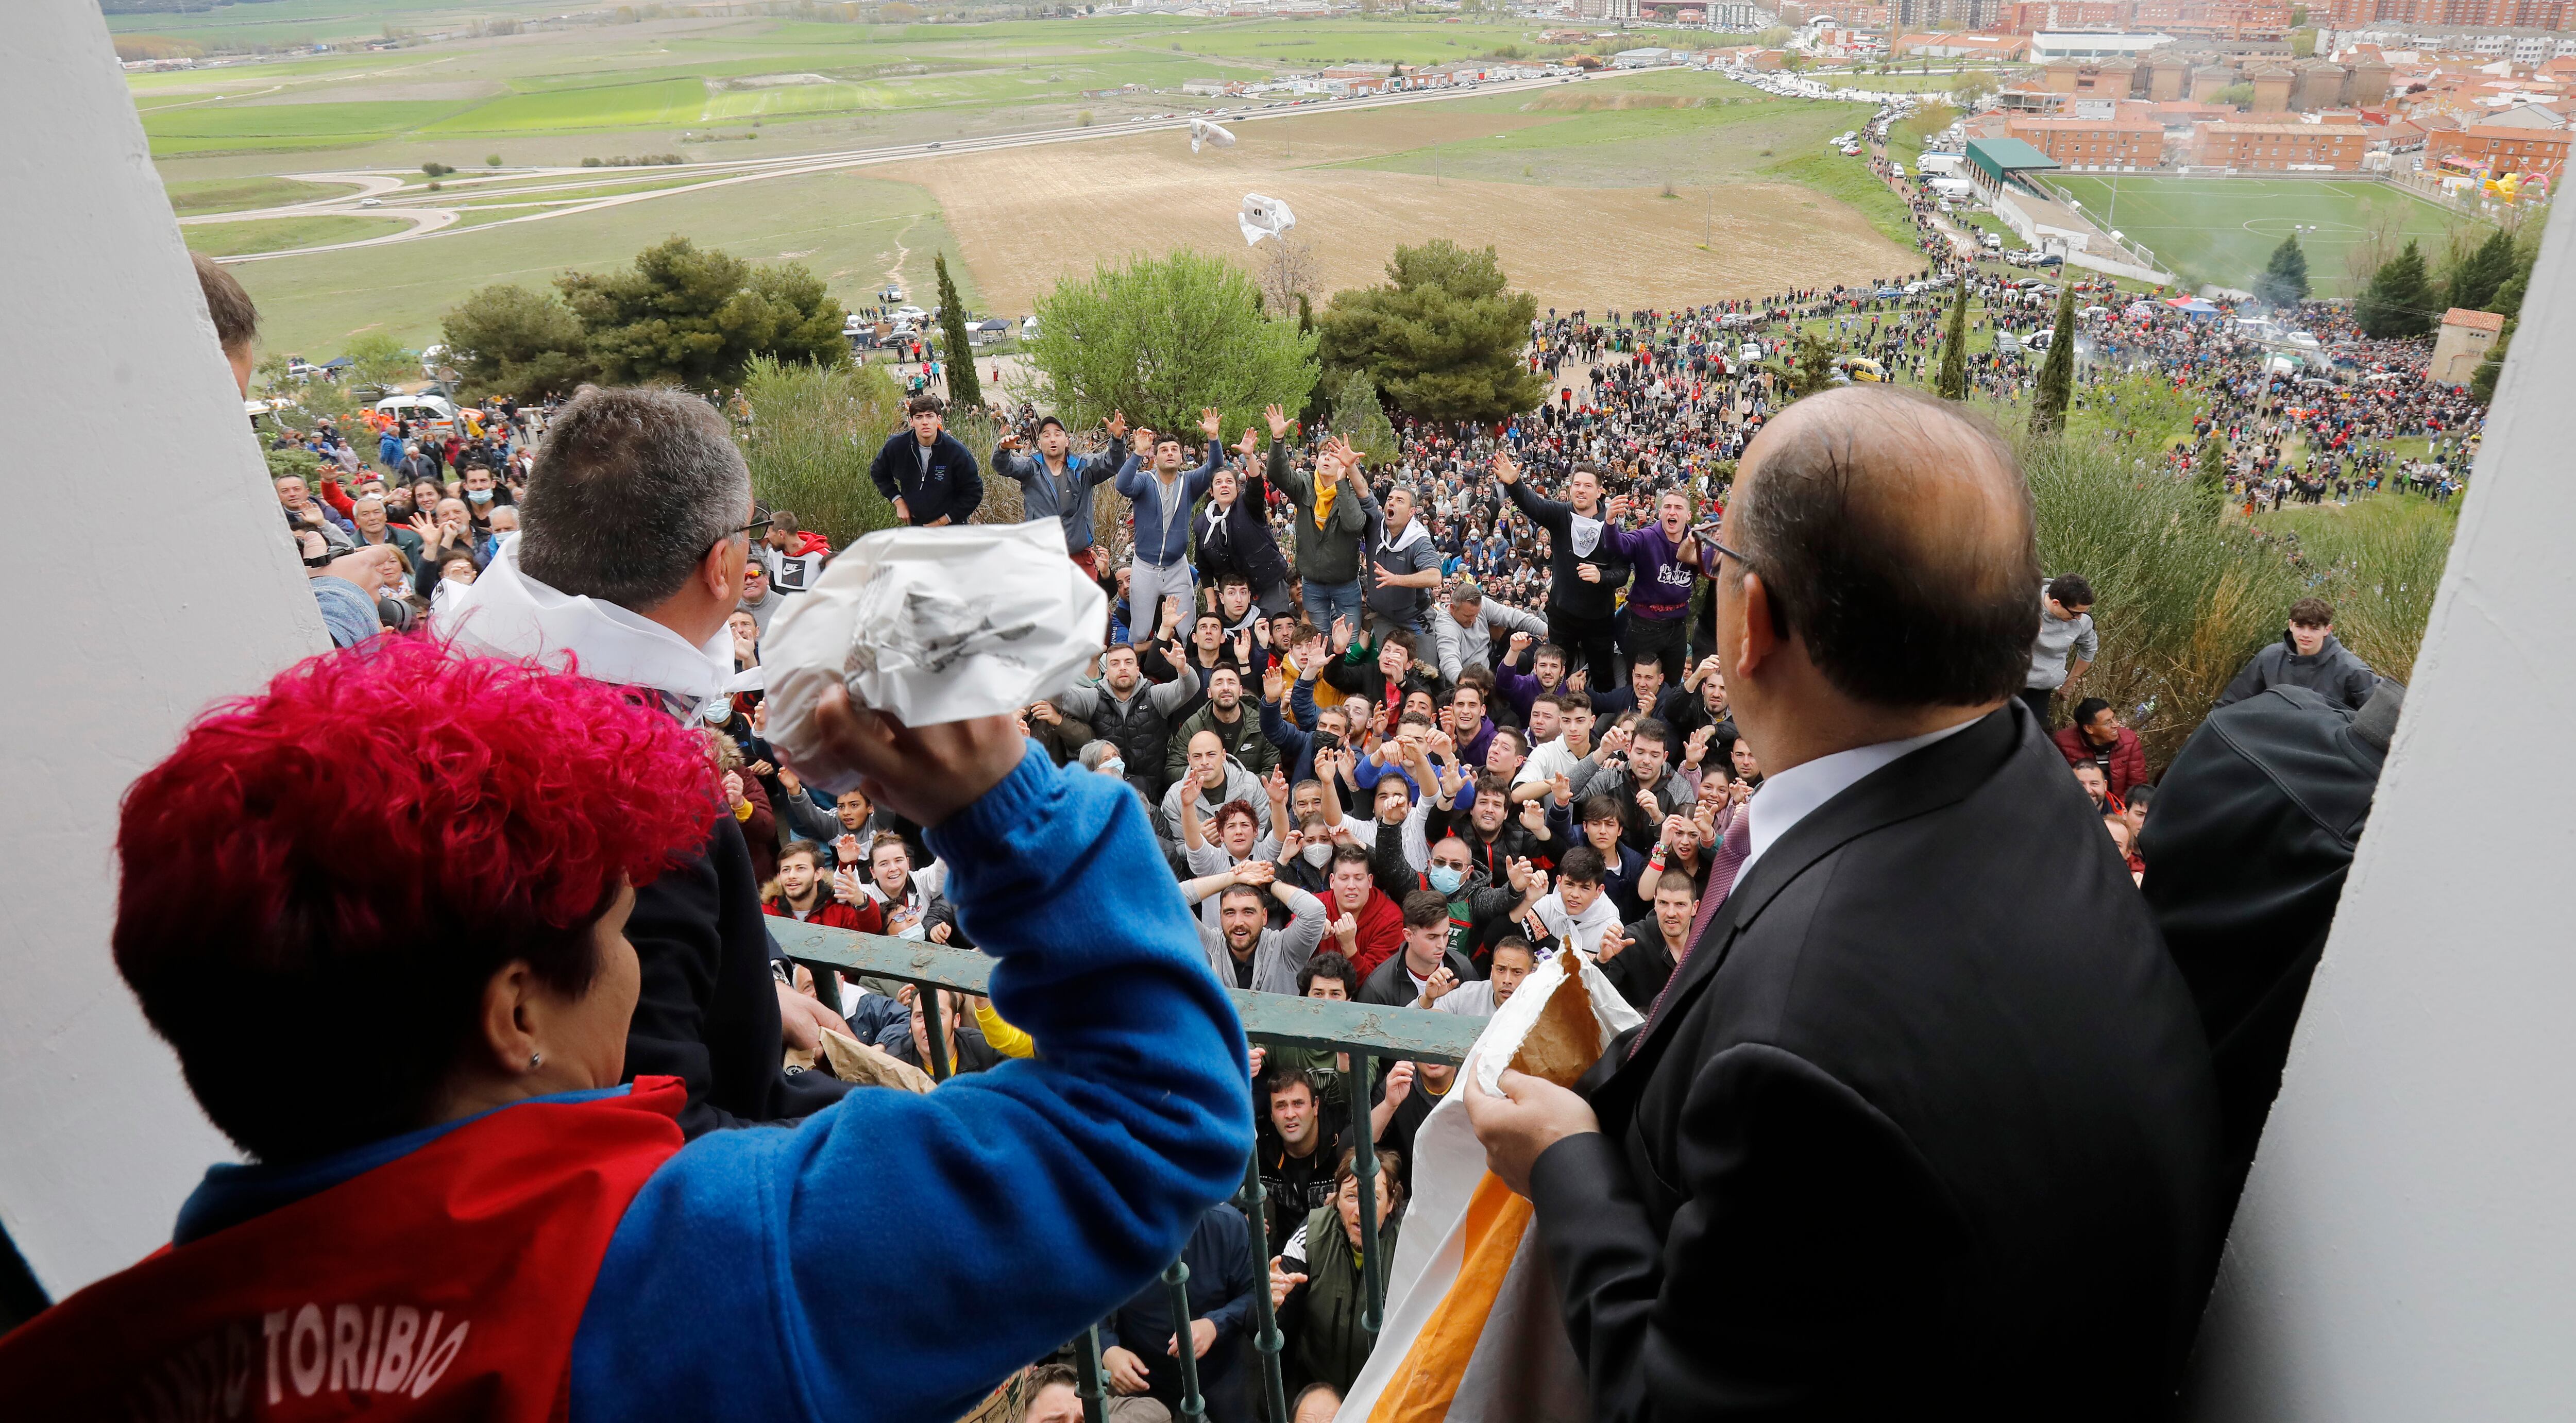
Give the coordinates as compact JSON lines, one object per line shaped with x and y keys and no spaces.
{"x":2222,"y":230}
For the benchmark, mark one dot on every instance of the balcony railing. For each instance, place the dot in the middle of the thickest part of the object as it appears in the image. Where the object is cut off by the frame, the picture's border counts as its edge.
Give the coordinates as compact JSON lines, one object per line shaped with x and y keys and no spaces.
{"x":1270,"y":1019}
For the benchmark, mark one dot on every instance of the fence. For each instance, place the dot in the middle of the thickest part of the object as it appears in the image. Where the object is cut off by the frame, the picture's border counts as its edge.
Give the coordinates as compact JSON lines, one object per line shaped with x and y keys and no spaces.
{"x":1270,"y":1019}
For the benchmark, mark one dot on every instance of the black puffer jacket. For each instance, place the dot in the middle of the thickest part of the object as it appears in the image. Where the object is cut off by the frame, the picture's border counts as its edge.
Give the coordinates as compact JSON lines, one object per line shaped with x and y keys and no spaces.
{"x":2250,"y":836}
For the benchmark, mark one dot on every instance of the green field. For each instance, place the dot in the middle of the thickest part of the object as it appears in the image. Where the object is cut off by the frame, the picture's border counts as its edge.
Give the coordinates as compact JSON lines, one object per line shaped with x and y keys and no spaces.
{"x":210,"y":195}
{"x":844,"y":229}
{"x":278,"y":234}
{"x":2222,"y":230}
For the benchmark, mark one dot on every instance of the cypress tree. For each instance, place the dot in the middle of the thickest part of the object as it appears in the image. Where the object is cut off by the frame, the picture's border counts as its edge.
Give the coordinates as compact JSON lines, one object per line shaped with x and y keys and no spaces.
{"x":2400,"y":298}
{"x":963,"y":389}
{"x":2481,"y":274}
{"x":2057,"y":374}
{"x":2209,"y":477}
{"x":2284,"y":279}
{"x":2482,"y":381}
{"x":1954,"y":355}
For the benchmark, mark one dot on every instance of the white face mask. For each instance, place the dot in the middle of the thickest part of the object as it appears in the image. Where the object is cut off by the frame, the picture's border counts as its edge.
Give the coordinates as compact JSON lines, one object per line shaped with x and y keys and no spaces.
{"x":1319,"y":854}
{"x":1115,"y":769}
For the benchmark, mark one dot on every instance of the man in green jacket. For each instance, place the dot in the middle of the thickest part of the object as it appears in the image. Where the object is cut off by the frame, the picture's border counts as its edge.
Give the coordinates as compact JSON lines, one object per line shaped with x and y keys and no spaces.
{"x":1334,"y":512}
{"x":1234,"y":724}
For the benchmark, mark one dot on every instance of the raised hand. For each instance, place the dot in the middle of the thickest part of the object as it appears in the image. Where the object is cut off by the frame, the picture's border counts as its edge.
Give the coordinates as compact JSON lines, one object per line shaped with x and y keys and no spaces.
{"x":1278,"y":418}
{"x":1243,"y":646}
{"x":1534,"y":818}
{"x":1581,"y":677}
{"x":1250,"y":442}
{"x":1646,"y":802}
{"x":1563,"y":791}
{"x":1347,"y":930}
{"x":1695,"y":746}
{"x":1612,"y":942}
{"x":1276,"y":786}
{"x":1212,"y":421}
{"x":1274,"y":685}
{"x":1399,"y":1078}
{"x":1282,"y":1283}
{"x":1517,"y":869}
{"x":1255,"y":873}
{"x":1341,"y":632}
{"x":1117,"y":425}
{"x":1520,"y":643}
{"x":1434,"y":988}
{"x":1673,"y":823}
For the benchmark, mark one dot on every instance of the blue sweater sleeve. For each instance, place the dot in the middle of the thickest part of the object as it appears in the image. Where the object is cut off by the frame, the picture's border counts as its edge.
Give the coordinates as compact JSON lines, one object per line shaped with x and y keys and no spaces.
{"x":876,"y":1261}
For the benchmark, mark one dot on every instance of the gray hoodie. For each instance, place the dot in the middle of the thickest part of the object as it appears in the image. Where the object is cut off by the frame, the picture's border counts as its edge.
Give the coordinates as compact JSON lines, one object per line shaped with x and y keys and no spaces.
{"x":2334,"y":673}
{"x":1240,"y":784}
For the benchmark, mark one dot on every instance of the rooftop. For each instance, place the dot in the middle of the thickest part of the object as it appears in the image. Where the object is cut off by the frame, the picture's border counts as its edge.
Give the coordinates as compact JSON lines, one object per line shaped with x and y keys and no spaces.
{"x":2473,"y":320}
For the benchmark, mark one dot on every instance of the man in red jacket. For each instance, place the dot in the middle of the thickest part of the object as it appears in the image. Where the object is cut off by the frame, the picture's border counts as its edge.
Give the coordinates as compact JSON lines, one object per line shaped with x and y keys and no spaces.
{"x":1366,"y":924}
{"x":2097,"y":736}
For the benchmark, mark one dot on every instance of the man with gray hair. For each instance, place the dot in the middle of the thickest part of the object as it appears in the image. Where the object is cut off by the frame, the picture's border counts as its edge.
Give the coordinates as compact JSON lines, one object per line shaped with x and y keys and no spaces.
{"x":638,"y":524}
{"x":1463,"y":632}
{"x":1406,"y":567}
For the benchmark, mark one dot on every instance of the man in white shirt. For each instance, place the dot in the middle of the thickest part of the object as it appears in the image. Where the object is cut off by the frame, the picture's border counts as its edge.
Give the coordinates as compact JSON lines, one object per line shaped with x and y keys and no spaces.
{"x":1512,"y":962}
{"x":1553,"y":758}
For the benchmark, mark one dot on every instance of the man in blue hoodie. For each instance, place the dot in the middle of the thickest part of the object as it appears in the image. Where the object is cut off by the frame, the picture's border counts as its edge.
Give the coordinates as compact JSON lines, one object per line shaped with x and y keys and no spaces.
{"x":1162,"y":496}
{"x":928,"y":475}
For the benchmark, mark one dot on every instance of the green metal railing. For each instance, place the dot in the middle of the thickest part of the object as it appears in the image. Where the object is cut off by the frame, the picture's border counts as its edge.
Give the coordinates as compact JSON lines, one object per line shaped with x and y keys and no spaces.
{"x":1363,"y":1030}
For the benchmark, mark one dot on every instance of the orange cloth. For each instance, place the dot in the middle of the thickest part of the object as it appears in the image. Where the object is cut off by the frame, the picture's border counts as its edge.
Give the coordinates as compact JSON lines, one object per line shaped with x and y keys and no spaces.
{"x":1427,"y":1383}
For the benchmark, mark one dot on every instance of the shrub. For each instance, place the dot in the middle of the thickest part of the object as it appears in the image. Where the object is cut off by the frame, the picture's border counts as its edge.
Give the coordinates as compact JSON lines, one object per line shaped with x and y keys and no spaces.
{"x":812,"y":433}
{"x":436,"y":170}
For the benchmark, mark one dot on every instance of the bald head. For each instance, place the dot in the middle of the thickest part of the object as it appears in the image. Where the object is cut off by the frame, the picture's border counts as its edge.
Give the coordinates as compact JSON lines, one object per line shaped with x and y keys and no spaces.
{"x":1894,"y":534}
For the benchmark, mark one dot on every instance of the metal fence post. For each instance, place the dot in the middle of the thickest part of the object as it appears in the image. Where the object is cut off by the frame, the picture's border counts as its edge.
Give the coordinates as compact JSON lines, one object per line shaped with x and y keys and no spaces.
{"x":1364,"y":1172}
{"x":1267,"y":1341}
{"x":1086,"y":1367}
{"x":1176,"y":1279}
{"x":934,"y":1030}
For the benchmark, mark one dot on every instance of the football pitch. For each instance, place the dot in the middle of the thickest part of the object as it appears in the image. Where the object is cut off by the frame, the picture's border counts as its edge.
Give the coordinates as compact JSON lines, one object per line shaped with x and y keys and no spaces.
{"x":2222,"y":230}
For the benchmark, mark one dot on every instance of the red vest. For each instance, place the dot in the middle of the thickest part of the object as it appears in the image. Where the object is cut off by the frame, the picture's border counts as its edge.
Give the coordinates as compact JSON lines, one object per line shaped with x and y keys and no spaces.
{"x":445,"y":1284}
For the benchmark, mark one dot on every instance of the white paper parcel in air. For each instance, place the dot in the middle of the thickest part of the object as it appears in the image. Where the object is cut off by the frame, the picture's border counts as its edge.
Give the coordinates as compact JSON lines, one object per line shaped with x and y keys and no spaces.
{"x":930,"y":625}
{"x":1201,"y":131}
{"x":1264,"y":217}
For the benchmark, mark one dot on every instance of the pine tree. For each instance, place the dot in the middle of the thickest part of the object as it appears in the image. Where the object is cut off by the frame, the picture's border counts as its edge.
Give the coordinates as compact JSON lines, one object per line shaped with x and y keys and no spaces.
{"x":2284,"y":279}
{"x":2400,"y":300}
{"x":963,"y":389}
{"x":2057,"y":374}
{"x":1810,"y":367}
{"x":1954,"y":354}
{"x":2481,"y":274}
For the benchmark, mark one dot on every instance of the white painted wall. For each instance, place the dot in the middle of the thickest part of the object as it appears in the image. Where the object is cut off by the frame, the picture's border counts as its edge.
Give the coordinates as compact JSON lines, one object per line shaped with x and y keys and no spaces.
{"x":149,"y":574}
{"x":2407,"y":1245}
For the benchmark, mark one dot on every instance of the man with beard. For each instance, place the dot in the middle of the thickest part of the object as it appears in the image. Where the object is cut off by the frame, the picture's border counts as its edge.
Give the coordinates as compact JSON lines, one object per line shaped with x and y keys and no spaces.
{"x":1244,"y":950}
{"x":1130,"y":715}
{"x":1236,"y":728}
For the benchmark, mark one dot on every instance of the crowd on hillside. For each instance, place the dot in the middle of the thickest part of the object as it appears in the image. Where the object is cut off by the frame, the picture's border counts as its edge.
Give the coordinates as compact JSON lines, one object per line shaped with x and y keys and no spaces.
{"x":1402,"y":728}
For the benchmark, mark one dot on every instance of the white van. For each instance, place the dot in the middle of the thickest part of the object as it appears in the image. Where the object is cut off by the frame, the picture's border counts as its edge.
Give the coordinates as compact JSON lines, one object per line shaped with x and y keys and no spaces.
{"x":434,"y":411}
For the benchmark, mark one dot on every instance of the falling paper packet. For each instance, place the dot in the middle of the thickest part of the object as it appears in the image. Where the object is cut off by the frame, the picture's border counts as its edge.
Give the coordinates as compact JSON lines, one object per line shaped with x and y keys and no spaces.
{"x":930,"y":626}
{"x":1264,"y":217}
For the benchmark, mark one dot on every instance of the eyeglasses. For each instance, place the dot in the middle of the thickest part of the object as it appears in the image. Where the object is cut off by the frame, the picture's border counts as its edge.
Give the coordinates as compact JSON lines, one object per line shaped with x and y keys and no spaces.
{"x":756,"y":526}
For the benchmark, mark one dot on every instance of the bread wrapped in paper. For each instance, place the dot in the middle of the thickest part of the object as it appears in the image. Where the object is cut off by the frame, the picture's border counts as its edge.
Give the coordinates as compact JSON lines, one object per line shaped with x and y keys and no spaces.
{"x":1555,"y":1026}
{"x":1566,"y":1040}
{"x":930,"y":626}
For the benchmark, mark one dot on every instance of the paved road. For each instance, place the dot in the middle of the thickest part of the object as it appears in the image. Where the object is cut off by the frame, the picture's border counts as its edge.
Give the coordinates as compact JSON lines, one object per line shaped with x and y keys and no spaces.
{"x":422,"y":204}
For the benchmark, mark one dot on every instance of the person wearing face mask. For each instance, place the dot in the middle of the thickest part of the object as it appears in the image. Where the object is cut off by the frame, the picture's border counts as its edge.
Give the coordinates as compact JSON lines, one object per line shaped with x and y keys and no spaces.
{"x":1481,"y":912}
{"x":482,"y":495}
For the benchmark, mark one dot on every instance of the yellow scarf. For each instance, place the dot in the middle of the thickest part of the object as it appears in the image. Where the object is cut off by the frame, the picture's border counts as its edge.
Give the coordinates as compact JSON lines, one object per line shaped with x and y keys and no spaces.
{"x":1324,"y":496}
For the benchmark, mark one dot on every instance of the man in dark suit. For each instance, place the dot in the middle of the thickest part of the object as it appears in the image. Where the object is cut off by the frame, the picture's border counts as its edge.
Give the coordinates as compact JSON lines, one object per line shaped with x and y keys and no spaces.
{"x":1923,"y":1124}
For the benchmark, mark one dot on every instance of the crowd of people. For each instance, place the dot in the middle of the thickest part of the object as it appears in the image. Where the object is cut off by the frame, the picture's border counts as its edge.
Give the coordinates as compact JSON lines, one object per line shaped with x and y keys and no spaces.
{"x":1399,"y":730}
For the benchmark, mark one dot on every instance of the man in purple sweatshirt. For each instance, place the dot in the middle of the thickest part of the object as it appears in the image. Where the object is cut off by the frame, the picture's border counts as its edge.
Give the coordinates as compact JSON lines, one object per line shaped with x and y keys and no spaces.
{"x":1667,"y":560}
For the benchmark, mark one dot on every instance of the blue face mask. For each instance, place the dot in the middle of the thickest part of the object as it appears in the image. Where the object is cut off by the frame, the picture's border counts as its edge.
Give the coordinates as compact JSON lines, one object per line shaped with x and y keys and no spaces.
{"x":479,"y":496}
{"x":1446,"y":879}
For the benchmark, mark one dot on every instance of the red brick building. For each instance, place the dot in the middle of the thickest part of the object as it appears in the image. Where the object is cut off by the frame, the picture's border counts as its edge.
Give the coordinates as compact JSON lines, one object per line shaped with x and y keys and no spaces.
{"x":2284,"y":147}
{"x":2465,"y":14}
{"x":2081,"y":144}
{"x":2503,"y":149}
